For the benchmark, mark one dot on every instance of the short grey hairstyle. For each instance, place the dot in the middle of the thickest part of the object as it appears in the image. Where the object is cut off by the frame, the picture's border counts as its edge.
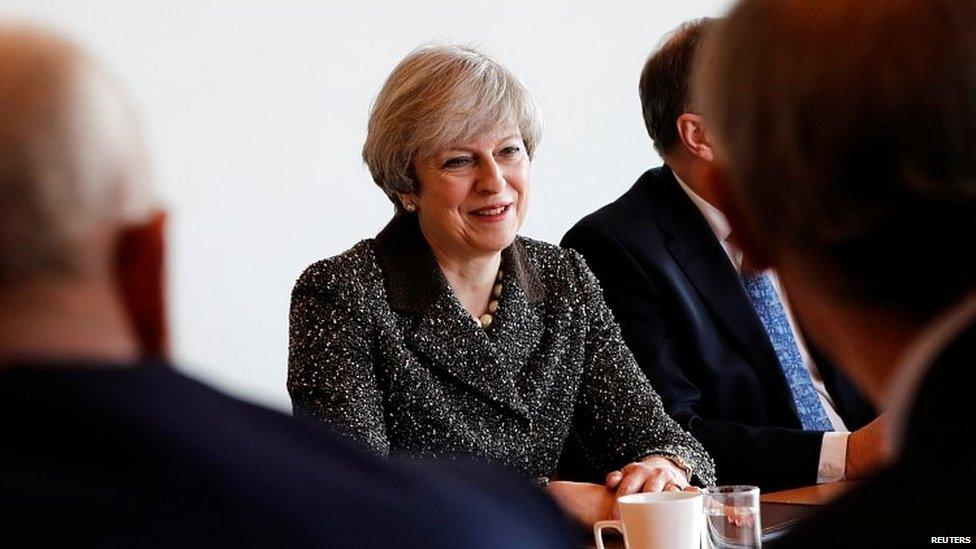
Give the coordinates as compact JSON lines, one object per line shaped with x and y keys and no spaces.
{"x":71,"y":167}
{"x":437,"y":96}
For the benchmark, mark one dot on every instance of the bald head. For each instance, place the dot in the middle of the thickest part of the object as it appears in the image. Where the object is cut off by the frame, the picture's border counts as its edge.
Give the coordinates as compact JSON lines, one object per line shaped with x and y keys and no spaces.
{"x":72,"y":170}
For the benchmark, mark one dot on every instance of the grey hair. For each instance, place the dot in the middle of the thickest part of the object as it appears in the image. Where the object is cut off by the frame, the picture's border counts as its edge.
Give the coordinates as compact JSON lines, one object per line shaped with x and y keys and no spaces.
{"x":71,"y":165}
{"x":437,"y":96}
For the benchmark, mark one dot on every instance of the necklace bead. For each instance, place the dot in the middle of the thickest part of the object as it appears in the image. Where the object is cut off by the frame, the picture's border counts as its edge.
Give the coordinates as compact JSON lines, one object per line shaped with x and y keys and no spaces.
{"x":496,"y":292}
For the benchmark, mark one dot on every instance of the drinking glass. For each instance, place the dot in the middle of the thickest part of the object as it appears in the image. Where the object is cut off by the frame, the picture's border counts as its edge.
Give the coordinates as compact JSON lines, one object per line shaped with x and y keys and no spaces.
{"x":732,"y":517}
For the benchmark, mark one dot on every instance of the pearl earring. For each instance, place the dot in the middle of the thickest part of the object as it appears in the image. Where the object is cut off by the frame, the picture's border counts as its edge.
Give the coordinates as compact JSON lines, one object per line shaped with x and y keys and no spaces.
{"x":410,"y":206}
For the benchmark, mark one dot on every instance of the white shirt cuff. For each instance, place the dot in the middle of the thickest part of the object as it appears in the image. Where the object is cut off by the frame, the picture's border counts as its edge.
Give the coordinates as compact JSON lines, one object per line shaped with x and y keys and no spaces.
{"x":833,"y":457}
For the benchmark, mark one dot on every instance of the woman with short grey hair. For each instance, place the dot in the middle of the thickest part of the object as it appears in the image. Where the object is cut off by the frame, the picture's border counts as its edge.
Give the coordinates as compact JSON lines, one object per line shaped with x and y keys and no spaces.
{"x":450,"y":335}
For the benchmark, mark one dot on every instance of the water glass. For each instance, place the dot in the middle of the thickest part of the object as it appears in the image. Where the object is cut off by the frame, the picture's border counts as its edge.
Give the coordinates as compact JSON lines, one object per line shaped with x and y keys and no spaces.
{"x":732,"y":517}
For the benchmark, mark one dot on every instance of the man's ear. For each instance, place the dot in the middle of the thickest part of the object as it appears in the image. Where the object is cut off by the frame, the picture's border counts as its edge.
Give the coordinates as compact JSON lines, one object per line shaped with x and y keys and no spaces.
{"x":139,"y":272}
{"x":746,"y":234}
{"x":694,"y":137}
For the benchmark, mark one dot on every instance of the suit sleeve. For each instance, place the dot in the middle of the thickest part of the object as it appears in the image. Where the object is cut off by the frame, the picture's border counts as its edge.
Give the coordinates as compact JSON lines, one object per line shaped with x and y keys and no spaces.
{"x":619,"y":418}
{"x":772,"y":457}
{"x":331,"y":375}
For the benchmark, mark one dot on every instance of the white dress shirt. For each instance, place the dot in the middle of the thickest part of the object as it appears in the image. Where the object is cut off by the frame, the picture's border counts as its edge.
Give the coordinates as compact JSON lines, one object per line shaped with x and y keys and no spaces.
{"x":833,"y":447}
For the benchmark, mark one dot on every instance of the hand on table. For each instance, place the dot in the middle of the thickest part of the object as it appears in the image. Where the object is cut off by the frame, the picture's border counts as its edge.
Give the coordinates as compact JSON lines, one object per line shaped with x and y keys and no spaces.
{"x":588,"y":503}
{"x":652,"y":474}
{"x":583,"y":501}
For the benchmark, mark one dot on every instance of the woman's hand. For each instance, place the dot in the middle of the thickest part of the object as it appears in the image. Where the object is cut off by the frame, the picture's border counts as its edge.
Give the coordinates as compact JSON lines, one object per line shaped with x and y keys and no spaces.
{"x":583,"y":501}
{"x":652,"y":474}
{"x":588,"y":503}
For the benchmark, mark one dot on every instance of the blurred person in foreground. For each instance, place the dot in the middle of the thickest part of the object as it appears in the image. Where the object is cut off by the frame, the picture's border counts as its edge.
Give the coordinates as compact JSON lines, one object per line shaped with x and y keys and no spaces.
{"x":103,"y":446}
{"x":846,"y":139}
{"x":718,"y":342}
{"x":451,"y":335}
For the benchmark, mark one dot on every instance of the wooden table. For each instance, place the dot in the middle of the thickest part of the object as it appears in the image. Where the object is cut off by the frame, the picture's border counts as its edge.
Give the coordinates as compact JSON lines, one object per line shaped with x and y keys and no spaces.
{"x":779,"y":511}
{"x":808,"y":495}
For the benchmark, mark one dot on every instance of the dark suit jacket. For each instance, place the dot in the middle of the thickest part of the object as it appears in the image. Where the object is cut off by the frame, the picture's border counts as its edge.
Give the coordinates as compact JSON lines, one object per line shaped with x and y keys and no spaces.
{"x":382,"y":350}
{"x":692,"y":329}
{"x":99,"y":455}
{"x":928,"y":492}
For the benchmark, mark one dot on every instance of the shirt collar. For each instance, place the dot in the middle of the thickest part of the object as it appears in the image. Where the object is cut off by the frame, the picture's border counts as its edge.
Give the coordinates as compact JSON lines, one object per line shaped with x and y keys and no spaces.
{"x":717,"y":222}
{"x":715,"y":218}
{"x":412,"y":278}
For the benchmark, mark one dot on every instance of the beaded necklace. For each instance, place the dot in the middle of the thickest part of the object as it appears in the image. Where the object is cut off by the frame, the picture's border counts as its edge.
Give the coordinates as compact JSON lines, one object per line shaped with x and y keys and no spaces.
{"x":496,"y":293}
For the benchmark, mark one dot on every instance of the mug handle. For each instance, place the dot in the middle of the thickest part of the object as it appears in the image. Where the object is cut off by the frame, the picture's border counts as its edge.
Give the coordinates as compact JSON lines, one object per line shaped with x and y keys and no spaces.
{"x":598,"y":530}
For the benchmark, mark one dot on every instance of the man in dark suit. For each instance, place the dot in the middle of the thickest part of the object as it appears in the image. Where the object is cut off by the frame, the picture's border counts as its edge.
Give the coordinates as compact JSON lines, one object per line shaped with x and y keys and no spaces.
{"x":718,"y":342}
{"x":846,"y":139}
{"x":101,"y":446}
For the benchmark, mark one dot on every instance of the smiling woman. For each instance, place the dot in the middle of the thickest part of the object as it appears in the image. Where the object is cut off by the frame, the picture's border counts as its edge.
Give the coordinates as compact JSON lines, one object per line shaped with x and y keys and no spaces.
{"x":474,"y":194}
{"x":473,"y":200}
{"x":451,"y":137}
{"x":450,"y":335}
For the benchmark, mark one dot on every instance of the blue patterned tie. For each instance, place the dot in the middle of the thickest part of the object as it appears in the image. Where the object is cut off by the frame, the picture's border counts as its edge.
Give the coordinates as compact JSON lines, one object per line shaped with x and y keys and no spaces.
{"x":765,"y":300}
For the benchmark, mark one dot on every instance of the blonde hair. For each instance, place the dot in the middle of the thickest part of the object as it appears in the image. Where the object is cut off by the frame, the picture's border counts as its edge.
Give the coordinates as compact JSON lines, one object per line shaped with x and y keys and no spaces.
{"x":437,"y":96}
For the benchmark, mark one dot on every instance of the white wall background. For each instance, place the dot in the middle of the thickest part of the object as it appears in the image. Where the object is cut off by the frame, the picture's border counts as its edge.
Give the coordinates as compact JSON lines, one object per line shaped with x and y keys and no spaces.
{"x":256,"y":112}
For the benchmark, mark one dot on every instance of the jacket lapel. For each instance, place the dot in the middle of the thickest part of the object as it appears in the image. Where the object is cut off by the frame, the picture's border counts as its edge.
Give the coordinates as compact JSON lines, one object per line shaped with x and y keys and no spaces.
{"x":450,"y":341}
{"x":703,"y":260}
{"x":518,"y":327}
{"x":444,"y":336}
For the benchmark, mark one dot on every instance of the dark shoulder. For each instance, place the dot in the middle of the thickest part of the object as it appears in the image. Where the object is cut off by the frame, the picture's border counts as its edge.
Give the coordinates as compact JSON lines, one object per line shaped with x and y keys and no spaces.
{"x":629,"y":208}
{"x":352,"y":276}
{"x":626,"y":224}
{"x":132,"y":406}
{"x":145,"y":456}
{"x":146,"y":388}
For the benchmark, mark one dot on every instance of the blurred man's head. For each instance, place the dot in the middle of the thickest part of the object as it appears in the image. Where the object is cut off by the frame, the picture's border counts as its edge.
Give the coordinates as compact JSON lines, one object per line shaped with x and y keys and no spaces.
{"x":71,"y":165}
{"x":73,"y":181}
{"x":670,"y":112}
{"x":846,"y":133}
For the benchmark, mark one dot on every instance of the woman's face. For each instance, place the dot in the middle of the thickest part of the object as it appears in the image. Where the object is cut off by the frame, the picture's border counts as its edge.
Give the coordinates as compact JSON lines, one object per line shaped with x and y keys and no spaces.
{"x":473,"y":196}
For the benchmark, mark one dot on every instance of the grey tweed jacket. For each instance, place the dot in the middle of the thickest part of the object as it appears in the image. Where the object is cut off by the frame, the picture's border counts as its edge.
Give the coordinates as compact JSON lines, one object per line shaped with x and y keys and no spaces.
{"x":382,"y":350}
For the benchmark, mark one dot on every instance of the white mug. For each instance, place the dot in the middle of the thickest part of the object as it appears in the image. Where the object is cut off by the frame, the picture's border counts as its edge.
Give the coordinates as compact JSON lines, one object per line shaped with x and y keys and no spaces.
{"x":658,"y":520}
